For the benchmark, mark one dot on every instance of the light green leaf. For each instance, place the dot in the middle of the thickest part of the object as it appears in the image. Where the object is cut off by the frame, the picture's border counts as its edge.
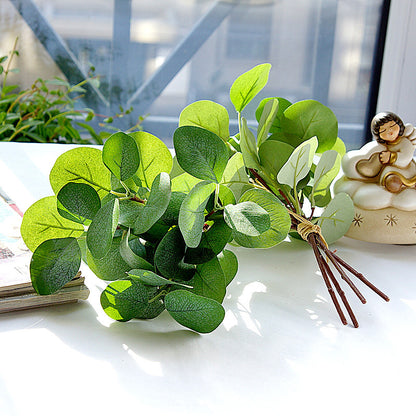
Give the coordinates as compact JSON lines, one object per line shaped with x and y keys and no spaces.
{"x":279,"y":220}
{"x":81,"y":165}
{"x":235,"y":176}
{"x":309,"y":118}
{"x":336,"y":218}
{"x":283,"y":104}
{"x":54,"y":263}
{"x":247,"y":218}
{"x":248,"y":85}
{"x":184,"y":183}
{"x":326,"y":171}
{"x":130,"y":257}
{"x":267,"y":117}
{"x":273,"y":155}
{"x":200,"y":152}
{"x":191,"y":216}
{"x":42,"y":222}
{"x":193,"y":311}
{"x":156,"y":204}
{"x":298,"y":164}
{"x":208,"y":115}
{"x":121,"y":155}
{"x":155,"y":157}
{"x":248,"y":146}
{"x":79,"y":199}
{"x":101,"y":231}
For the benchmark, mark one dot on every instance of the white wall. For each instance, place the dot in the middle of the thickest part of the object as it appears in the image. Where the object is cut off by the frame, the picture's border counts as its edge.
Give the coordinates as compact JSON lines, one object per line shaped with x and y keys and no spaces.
{"x":398,"y":78}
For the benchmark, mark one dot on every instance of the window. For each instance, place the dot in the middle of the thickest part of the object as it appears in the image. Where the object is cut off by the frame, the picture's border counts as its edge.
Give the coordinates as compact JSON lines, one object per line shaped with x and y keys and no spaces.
{"x":161,"y":55}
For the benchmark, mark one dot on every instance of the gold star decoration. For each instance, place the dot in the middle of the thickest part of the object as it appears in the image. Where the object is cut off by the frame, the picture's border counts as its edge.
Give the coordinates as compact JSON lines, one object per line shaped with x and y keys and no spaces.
{"x":391,"y":220}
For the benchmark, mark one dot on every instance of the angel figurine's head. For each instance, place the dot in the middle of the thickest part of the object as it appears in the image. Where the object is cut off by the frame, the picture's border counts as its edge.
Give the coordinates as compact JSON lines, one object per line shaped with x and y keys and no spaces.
{"x":387,"y":127}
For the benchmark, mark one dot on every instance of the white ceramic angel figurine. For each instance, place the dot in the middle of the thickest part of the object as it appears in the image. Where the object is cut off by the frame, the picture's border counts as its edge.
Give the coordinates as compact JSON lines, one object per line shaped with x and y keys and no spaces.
{"x":381,"y":180}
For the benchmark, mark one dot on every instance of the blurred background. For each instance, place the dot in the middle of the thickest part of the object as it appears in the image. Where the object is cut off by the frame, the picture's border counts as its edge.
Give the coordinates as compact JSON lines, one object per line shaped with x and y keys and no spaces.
{"x":158,"y":56}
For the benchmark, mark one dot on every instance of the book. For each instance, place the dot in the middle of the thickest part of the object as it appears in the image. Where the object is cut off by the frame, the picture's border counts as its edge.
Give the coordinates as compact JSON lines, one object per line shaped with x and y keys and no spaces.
{"x":16,"y":290}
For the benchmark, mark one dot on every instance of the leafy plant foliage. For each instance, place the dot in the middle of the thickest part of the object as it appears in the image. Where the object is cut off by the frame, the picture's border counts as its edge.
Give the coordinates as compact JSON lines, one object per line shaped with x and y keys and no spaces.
{"x":158,"y":228}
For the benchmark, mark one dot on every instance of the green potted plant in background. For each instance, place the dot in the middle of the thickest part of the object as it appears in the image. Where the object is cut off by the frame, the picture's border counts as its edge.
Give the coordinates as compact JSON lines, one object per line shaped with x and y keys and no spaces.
{"x":157,"y":228}
{"x":46,"y":112}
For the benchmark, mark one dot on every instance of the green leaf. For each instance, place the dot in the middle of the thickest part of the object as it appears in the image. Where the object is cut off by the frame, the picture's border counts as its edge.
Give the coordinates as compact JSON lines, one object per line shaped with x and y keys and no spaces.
{"x":247,"y":218}
{"x":248,"y":146}
{"x":152,"y":279}
{"x":155,"y":157}
{"x":276,"y":124}
{"x":42,"y":222}
{"x":169,"y":255}
{"x":191,"y":215}
{"x":235,"y":176}
{"x":209,"y":280}
{"x":81,"y":165}
{"x":171,"y":215}
{"x":229,"y":265}
{"x":212,"y":243}
{"x":54,"y":263}
{"x":80,"y":199}
{"x":121,"y":155}
{"x":248,"y":85}
{"x":326,"y":171}
{"x":129,"y":210}
{"x":130,"y":257}
{"x":298,"y":164}
{"x":279,"y":220}
{"x":193,"y":311}
{"x":336,"y":218}
{"x":208,"y":115}
{"x":156,"y":204}
{"x":101,"y":231}
{"x":267,"y":117}
{"x":273,"y":155}
{"x":184,"y":183}
{"x":125,"y":299}
{"x":308,"y":118}
{"x":200,"y":152}
{"x":112,"y":266}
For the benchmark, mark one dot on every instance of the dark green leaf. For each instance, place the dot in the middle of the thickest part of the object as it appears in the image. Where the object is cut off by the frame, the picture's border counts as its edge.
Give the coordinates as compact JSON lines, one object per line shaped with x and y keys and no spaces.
{"x":54,"y":263}
{"x":200,"y":152}
{"x":130,"y":257}
{"x":121,"y":155}
{"x":193,"y":311}
{"x":101,"y":231}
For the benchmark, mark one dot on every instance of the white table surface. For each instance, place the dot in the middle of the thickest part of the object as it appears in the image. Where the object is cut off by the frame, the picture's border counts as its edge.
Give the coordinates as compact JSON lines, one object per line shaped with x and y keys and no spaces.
{"x":281,"y":348}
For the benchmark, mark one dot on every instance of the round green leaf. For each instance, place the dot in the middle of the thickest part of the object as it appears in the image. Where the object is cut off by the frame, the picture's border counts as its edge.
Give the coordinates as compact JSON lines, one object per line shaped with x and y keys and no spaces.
{"x":200,"y":152}
{"x":273,"y":155}
{"x":112,"y":266}
{"x":81,"y":165}
{"x":54,"y":263}
{"x":155,"y":157}
{"x":229,"y":265}
{"x":337,"y":217}
{"x":193,"y":311}
{"x":279,"y":220}
{"x":191,"y":216}
{"x":80,"y":199}
{"x":208,"y":115}
{"x":156,"y":204}
{"x":121,"y":155}
{"x":248,"y":85}
{"x":247,"y":218}
{"x":171,"y":215}
{"x":130,"y":257}
{"x":283,"y":104}
{"x":42,"y":222}
{"x":309,"y":118}
{"x":101,"y":231}
{"x":184,"y":183}
{"x":125,"y":299}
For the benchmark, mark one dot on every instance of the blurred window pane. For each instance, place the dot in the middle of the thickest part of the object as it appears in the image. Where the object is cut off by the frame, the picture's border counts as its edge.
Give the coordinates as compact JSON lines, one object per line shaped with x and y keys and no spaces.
{"x":322,"y":50}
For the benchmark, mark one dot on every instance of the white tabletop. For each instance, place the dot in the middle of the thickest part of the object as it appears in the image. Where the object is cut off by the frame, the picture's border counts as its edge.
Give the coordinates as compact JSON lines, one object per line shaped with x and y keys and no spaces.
{"x":281,"y":348}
